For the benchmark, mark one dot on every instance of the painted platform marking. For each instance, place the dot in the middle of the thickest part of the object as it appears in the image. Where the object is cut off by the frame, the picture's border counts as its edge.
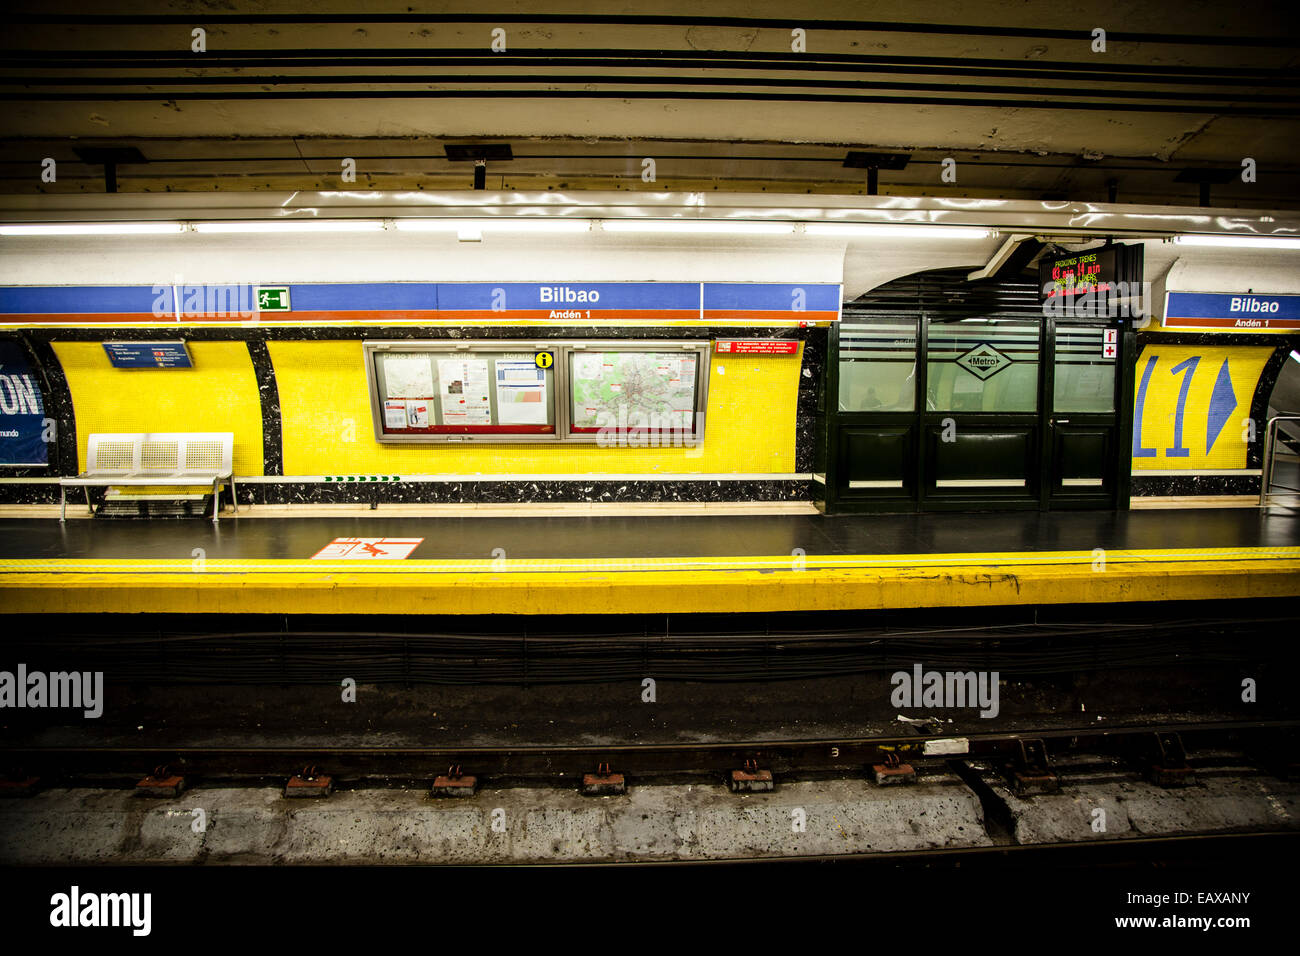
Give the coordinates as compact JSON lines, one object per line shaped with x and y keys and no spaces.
{"x":360,"y":549}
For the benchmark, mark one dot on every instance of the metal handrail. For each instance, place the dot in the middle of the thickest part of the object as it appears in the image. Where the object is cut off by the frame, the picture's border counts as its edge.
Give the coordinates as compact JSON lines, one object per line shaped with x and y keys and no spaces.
{"x":1270,"y":457}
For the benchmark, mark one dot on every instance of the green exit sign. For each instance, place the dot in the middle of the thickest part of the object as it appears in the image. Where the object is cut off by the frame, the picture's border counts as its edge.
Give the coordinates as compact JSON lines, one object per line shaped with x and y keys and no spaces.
{"x":273,"y":298}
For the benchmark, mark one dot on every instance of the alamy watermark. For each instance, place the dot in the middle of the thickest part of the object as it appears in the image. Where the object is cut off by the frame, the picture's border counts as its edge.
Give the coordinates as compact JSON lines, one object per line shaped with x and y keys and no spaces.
{"x":1128,"y":300}
{"x":75,"y":908}
{"x":213,"y":300}
{"x":947,"y":690}
{"x":22,"y":688}
{"x":632,"y":428}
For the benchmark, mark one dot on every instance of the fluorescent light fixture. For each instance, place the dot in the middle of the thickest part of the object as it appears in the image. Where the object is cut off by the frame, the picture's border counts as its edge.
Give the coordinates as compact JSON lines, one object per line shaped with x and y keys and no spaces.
{"x":292,"y":225}
{"x":742,"y":227}
{"x":887,"y":230}
{"x":93,"y":229}
{"x":471,"y":226}
{"x":1240,"y":242}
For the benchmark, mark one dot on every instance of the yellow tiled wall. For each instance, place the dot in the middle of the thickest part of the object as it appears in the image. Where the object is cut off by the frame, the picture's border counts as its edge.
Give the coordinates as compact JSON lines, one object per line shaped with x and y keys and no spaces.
{"x":219,"y":394}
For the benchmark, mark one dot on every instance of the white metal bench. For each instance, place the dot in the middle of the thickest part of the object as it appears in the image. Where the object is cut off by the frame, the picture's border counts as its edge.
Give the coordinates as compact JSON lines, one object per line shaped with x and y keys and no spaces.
{"x":156,"y":458}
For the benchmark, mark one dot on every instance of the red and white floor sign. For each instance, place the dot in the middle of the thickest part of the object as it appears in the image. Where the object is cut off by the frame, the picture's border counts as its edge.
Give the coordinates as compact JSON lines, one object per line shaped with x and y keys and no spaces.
{"x":359,"y":549}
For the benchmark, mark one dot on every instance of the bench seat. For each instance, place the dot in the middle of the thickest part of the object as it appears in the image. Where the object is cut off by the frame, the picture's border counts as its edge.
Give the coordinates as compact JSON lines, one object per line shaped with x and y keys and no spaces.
{"x":156,"y":458}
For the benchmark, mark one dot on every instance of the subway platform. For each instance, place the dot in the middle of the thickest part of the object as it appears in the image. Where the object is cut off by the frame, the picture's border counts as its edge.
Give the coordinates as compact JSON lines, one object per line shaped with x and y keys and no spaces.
{"x":567,"y":561}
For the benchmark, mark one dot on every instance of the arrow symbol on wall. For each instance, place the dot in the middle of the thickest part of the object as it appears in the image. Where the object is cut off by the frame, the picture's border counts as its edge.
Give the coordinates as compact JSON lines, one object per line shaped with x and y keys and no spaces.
{"x":1223,"y":400}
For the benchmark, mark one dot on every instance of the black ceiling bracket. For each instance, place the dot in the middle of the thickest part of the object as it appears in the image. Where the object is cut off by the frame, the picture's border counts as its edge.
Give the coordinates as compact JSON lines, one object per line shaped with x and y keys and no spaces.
{"x":110,"y":157}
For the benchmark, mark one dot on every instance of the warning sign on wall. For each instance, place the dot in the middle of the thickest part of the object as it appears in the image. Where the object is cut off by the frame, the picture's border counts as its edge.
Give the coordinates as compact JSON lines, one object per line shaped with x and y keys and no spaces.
{"x":756,"y":347}
{"x":362,"y":549}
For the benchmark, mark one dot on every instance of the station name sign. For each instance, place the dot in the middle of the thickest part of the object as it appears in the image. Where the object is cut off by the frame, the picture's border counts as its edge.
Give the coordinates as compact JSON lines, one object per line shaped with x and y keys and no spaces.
{"x":1232,"y":311}
{"x":395,"y":302}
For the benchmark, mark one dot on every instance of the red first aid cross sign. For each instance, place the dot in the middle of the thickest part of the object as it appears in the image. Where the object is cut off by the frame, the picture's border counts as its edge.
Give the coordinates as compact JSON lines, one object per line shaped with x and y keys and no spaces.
{"x":362,"y":549}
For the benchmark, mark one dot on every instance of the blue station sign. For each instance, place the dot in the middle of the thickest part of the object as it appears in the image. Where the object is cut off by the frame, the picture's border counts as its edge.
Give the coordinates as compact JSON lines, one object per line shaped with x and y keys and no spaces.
{"x":1232,"y":311}
{"x":559,"y":301}
{"x":573,"y":301}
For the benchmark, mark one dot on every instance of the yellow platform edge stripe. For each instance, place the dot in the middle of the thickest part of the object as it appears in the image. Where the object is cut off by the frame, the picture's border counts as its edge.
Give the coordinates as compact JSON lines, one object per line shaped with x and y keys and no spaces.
{"x":515,"y":566}
{"x":406,"y":590}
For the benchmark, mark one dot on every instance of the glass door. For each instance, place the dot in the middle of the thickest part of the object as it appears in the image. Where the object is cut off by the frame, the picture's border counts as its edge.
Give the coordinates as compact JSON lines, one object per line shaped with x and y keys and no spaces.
{"x":875,"y":436}
{"x":999,"y":411}
{"x":1082,"y":468}
{"x":981,"y":425}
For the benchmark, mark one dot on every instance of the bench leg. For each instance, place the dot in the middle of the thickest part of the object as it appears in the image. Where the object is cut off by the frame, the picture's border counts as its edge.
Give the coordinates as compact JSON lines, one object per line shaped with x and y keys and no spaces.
{"x":216,"y":500}
{"x":89,"y":506}
{"x":234,"y":495}
{"x":63,"y":502}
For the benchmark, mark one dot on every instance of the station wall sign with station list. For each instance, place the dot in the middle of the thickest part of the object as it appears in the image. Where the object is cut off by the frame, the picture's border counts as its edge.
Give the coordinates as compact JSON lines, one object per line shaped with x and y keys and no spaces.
{"x":148,"y":355}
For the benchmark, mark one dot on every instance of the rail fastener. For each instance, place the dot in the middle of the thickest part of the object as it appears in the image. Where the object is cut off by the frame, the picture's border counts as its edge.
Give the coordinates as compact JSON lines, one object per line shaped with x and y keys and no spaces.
{"x":161,"y":783}
{"x":18,"y":786}
{"x":1169,"y":768}
{"x":893,"y":772}
{"x":751,"y":779}
{"x":603,"y":783}
{"x":309,"y":783}
{"x":1032,"y":770}
{"x":454,"y":783}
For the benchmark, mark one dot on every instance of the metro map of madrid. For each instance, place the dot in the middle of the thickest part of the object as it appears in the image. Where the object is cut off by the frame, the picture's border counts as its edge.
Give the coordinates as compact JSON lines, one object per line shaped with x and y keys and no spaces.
{"x":636,"y":389}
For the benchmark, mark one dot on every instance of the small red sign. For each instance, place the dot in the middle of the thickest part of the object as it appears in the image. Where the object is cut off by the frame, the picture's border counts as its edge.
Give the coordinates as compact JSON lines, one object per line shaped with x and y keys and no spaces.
{"x":757,"y":347}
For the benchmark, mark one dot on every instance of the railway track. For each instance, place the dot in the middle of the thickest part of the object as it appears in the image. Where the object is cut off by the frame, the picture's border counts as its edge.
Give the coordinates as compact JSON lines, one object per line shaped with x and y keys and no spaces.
{"x":1170,"y":745}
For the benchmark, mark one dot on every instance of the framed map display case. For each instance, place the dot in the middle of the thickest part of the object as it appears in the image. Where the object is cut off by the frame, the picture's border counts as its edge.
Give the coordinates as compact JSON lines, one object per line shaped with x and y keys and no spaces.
{"x":610,"y":393}
{"x":637,"y":394}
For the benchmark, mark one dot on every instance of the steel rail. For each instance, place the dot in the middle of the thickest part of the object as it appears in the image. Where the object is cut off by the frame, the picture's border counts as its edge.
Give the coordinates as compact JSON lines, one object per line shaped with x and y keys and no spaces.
{"x":791,"y":757}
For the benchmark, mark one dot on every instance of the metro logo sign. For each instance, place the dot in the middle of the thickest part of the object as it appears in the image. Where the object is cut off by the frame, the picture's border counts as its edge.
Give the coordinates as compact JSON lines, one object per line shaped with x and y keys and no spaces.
{"x":983,"y":361}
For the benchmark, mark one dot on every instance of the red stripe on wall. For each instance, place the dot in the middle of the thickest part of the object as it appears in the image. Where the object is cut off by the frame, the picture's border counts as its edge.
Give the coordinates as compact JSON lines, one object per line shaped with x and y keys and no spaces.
{"x":762,"y":315}
{"x":582,"y":313}
{"x":87,"y":318}
{"x":750,"y":316}
{"x":1186,"y":322}
{"x":475,"y":430}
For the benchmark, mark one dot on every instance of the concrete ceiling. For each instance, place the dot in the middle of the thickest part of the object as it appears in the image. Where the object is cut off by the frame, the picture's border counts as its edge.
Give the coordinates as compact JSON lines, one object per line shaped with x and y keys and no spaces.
{"x":1012,"y":91}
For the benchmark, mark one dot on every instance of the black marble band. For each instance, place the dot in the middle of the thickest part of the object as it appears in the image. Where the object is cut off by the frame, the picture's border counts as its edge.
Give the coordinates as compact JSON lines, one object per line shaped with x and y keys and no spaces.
{"x":1159,"y":486}
{"x":269,"y":395}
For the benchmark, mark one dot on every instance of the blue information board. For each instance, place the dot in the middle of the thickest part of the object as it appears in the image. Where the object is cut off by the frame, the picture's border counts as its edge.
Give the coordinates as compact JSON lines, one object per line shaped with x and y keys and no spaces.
{"x":148,"y":354}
